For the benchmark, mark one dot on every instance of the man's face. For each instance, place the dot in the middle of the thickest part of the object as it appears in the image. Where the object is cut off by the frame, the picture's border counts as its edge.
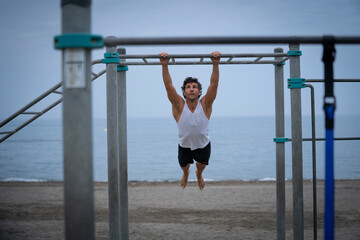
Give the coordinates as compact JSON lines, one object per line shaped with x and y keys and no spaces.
{"x":191,"y":91}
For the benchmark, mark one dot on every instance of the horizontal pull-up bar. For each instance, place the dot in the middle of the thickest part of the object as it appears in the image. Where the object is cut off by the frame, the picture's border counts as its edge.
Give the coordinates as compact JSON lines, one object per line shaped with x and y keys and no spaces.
{"x":112,"y":41}
{"x":201,"y":57}
{"x":232,"y":58}
{"x":226,"y":55}
{"x":199,"y":63}
{"x":336,"y":139}
{"x":335,"y":80}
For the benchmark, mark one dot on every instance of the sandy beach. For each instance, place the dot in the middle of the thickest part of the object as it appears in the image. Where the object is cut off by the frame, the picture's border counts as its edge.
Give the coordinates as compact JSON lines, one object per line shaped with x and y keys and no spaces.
{"x":223,"y":210}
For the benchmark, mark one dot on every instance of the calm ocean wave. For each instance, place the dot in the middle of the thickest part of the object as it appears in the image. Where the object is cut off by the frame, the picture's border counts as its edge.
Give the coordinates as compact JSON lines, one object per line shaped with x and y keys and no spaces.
{"x":242,"y":149}
{"x":21,"y":180}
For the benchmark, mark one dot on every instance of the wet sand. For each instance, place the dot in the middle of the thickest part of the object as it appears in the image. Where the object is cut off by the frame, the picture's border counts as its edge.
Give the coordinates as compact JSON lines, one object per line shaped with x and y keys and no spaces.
{"x":223,"y":210}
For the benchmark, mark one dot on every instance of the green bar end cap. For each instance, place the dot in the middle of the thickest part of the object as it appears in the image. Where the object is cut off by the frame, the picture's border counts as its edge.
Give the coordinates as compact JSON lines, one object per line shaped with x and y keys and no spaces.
{"x":122,"y":68}
{"x":78,"y":40}
{"x":281,"y":140}
{"x":279,"y":64}
{"x":294,"y":53}
{"x":296,"y":82}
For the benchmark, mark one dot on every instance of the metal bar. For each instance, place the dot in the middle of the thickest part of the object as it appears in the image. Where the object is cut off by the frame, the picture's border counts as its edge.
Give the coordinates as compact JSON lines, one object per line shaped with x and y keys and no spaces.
{"x":97,"y":61}
{"x":77,"y":130}
{"x":336,"y":139}
{"x":335,"y":80}
{"x":32,"y":103}
{"x":224,"y":55}
{"x":297,"y":167}
{"x":31,"y":113}
{"x":45,"y":110}
{"x":99,"y":74}
{"x":113,"y":149}
{"x":122,"y":136}
{"x":258,"y":59}
{"x":30,"y":120}
{"x":202,"y":56}
{"x":280,"y":148}
{"x":313,"y":137}
{"x":284,"y":59}
{"x":7,"y":132}
{"x":229,"y":40}
{"x":201,"y":63}
{"x":344,"y":139}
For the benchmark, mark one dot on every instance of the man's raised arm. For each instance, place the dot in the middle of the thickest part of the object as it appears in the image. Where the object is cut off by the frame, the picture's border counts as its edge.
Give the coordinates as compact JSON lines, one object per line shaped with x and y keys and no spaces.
{"x":214,"y":80}
{"x":170,"y":89}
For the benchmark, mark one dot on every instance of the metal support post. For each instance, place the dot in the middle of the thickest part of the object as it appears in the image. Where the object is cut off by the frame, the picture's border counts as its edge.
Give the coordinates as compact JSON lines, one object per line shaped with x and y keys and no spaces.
{"x":122,"y":136}
{"x":113,"y":148}
{"x":77,"y":126}
{"x":280,"y":147}
{"x":297,"y":164}
{"x":313,"y":140}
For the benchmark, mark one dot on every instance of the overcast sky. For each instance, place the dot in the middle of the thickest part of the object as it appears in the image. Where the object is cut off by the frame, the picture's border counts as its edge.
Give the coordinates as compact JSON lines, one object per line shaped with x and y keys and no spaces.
{"x":30,"y":65}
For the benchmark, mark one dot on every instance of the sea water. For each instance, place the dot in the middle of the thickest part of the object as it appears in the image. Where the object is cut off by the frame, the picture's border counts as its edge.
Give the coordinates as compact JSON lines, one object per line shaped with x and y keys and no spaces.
{"x":242,"y":149}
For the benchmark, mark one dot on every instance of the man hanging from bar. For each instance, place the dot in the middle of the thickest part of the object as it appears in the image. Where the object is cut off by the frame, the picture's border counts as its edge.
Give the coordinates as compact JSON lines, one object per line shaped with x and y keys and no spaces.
{"x":192,"y":116}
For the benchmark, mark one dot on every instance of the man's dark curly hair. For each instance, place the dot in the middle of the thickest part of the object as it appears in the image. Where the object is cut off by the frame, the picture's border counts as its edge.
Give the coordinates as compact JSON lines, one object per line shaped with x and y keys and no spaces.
{"x":191,"y":80}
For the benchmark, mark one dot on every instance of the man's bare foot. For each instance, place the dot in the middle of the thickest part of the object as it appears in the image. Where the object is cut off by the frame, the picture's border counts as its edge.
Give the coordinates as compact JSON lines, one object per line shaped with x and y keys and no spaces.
{"x":184,"y":179}
{"x":200,"y":180}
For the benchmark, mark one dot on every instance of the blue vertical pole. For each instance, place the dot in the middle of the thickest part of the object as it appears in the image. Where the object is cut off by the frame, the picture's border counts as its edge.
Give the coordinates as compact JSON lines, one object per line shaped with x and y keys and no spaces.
{"x":329,"y":184}
{"x":329,"y":108}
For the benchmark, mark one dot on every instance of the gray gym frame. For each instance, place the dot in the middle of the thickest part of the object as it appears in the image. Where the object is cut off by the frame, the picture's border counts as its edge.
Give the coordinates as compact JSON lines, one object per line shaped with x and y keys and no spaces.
{"x":117,"y":144}
{"x":296,"y":116}
{"x":114,"y":160}
{"x":116,"y":117}
{"x":119,"y":222}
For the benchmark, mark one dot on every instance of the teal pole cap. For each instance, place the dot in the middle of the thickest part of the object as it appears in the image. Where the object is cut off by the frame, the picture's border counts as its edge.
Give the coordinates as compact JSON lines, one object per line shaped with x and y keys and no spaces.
{"x":78,"y":40}
{"x":281,"y":140}
{"x":110,"y":57}
{"x":296,"y":82}
{"x":122,"y":68}
{"x":294,"y":53}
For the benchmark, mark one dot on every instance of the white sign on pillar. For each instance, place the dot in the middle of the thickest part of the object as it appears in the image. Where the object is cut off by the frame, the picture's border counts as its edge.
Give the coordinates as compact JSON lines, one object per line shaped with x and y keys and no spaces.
{"x":74,"y":68}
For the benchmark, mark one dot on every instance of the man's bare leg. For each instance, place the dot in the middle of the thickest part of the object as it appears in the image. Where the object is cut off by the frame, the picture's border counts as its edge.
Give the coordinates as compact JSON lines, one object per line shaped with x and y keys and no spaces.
{"x":199,"y":169}
{"x":185,"y":176}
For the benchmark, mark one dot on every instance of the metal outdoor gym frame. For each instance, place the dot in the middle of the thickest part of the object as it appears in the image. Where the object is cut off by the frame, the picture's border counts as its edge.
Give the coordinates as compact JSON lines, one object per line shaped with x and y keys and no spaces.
{"x":117,"y":63}
{"x":76,"y":43}
{"x":118,"y":189}
{"x":116,"y":66}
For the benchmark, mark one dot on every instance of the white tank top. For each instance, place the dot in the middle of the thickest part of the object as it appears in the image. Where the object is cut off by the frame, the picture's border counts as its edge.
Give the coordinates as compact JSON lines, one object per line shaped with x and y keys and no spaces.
{"x":193,"y":128}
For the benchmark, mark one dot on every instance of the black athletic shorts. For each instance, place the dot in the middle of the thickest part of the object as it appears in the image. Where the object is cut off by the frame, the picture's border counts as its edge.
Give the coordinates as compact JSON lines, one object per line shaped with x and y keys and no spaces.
{"x":201,"y":155}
